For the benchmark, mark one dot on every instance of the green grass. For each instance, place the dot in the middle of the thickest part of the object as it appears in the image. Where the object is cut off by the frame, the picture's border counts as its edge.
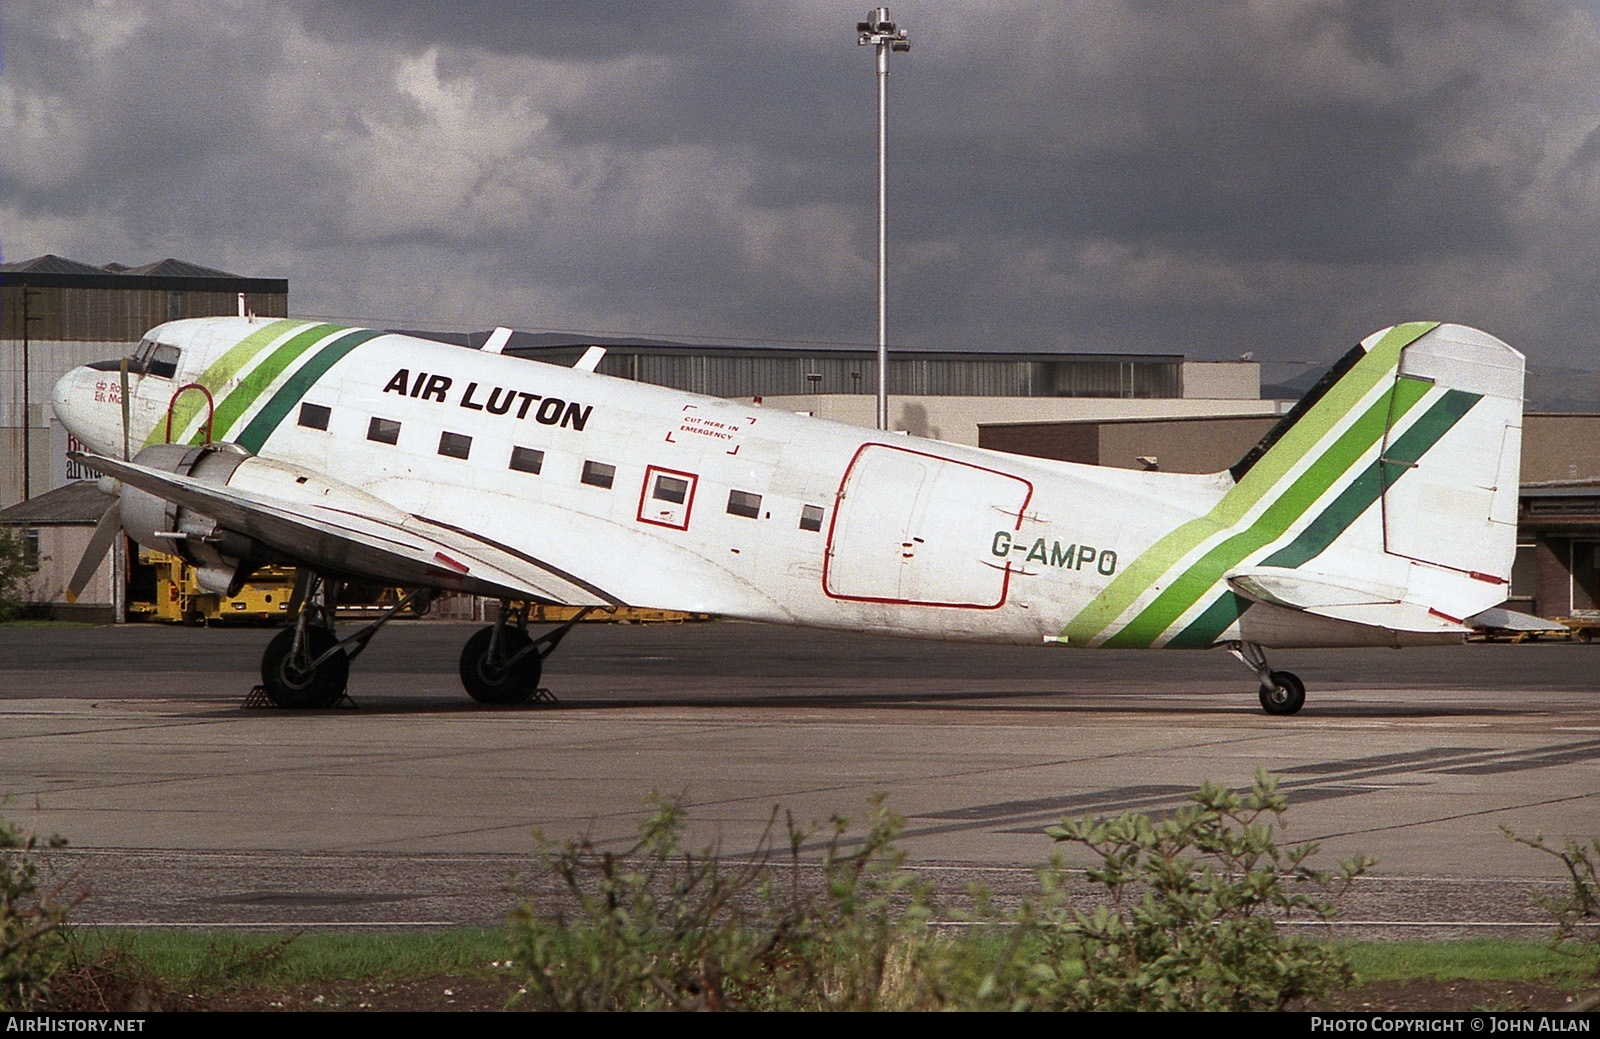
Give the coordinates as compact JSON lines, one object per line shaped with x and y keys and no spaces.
{"x":216,"y":959}
{"x":1475,"y":959}
{"x":210,"y":960}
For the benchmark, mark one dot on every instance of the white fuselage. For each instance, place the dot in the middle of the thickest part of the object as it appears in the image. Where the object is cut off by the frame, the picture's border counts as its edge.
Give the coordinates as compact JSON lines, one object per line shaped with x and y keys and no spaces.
{"x":714,"y":506}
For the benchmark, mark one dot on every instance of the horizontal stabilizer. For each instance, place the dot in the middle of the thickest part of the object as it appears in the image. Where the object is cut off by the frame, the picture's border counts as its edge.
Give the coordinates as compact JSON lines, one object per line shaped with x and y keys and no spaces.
{"x":1499,"y":619}
{"x":1343,"y":598}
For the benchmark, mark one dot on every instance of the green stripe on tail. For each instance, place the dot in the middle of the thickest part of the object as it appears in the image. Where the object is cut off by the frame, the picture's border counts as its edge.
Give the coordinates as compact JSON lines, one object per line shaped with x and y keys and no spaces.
{"x":1354,"y":500}
{"x":1379,"y":362}
{"x":1178,"y":597}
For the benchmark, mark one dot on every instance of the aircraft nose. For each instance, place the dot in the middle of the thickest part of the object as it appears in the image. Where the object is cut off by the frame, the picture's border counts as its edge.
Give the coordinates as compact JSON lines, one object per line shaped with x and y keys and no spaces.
{"x":89,"y":404}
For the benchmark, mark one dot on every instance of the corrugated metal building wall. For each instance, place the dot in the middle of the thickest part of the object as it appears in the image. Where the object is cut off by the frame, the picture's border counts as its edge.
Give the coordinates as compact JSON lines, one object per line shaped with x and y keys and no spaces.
{"x":750,"y":372}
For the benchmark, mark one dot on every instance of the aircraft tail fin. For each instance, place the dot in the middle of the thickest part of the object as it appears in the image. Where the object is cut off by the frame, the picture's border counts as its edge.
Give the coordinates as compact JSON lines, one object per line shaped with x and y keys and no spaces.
{"x":1384,"y":503}
{"x":1416,"y":447}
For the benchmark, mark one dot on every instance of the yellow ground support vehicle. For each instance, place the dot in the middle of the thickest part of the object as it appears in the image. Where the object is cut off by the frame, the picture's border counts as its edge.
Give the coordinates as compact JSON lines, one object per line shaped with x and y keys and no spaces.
{"x":162,"y":587}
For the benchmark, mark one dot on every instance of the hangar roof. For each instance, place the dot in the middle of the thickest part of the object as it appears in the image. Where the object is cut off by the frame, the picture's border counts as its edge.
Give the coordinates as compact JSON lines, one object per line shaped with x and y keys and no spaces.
{"x":68,"y":505}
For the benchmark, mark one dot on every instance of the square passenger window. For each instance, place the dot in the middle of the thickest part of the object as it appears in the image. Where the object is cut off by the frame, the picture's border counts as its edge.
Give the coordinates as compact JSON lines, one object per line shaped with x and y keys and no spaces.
{"x":314,"y":416}
{"x":743,"y":503}
{"x":455,"y":445}
{"x":383,"y":430}
{"x":527,"y":459}
{"x":670,"y":488}
{"x":811,"y":517}
{"x":599,"y":474}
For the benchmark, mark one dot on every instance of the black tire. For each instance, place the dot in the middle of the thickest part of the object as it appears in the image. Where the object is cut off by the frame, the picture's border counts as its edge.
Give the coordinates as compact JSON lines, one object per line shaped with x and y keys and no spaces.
{"x":500,"y":685}
{"x":288,"y":687}
{"x":1286,"y":694}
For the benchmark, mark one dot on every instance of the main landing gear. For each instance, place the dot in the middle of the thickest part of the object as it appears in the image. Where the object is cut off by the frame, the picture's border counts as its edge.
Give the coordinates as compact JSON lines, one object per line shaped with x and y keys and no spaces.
{"x":502,"y":663}
{"x":308,"y":665}
{"x":1282,"y":692}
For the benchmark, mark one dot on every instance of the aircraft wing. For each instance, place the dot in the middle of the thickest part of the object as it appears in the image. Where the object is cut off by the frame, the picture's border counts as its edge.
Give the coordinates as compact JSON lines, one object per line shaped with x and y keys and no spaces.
{"x":355,"y":533}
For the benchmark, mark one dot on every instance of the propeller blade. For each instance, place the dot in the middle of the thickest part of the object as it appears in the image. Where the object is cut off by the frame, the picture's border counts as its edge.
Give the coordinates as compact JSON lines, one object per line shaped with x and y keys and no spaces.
{"x":105,"y":532}
{"x":124,"y":370}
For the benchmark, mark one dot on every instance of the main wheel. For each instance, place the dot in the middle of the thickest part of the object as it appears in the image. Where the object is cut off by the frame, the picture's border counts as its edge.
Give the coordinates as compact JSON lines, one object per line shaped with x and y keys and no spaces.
{"x":491,"y":681}
{"x":1286,"y":694}
{"x":288,"y":686}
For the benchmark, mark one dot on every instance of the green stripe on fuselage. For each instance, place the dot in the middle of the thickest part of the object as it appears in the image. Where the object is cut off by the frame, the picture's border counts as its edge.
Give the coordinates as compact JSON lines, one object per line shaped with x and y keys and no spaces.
{"x":262,"y":376}
{"x":187,"y":407}
{"x":1300,"y":440}
{"x":1204,"y":629}
{"x":267,"y":419}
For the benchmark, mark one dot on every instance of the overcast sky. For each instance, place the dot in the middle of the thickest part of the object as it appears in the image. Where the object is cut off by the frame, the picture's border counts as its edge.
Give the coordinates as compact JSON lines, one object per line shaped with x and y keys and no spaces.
{"x":1205,"y":178}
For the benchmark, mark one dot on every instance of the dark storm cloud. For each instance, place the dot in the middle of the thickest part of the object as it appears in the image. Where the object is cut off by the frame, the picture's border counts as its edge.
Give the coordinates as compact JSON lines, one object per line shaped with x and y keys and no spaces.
{"x":595,"y":30}
{"x":1206,"y":178}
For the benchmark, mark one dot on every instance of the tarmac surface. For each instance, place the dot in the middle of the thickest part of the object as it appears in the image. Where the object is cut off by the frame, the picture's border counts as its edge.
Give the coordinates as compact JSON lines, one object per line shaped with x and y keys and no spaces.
{"x":417,"y":807}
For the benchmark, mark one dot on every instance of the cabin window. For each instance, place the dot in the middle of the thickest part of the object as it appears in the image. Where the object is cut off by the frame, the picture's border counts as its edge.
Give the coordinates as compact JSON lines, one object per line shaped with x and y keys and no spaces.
{"x":671,"y":488}
{"x":30,"y":549}
{"x":599,"y":474}
{"x":667,"y":497}
{"x":314,"y":416}
{"x":383,"y":430}
{"x":811,"y":517}
{"x":743,"y":503}
{"x":455,"y":445}
{"x":527,"y":459}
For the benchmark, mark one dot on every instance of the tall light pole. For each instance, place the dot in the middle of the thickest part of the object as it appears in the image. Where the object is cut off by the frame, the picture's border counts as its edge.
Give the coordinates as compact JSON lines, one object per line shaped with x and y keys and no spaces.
{"x":878,"y":31}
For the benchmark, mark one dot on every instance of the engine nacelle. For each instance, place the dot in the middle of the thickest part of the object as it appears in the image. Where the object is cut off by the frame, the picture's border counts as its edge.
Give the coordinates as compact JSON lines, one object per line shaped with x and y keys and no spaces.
{"x":223,"y":560}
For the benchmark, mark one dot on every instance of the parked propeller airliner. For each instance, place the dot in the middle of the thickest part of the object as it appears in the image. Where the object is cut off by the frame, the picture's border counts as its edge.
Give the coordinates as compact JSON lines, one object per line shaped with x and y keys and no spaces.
{"x":1380,"y":511}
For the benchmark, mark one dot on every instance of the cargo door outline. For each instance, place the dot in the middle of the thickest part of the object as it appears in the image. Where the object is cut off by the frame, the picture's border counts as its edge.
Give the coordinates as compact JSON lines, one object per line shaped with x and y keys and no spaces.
{"x":667,"y":497}
{"x":884,"y":548}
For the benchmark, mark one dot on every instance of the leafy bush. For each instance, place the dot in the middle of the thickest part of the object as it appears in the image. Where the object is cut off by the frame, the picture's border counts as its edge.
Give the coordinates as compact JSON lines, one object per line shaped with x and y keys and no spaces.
{"x":864,"y":942}
{"x":658,"y":927}
{"x":650,"y":928}
{"x":33,"y":923}
{"x":1190,"y":913}
{"x":12,"y":573}
{"x":1577,"y":912}
{"x":1189,"y":919}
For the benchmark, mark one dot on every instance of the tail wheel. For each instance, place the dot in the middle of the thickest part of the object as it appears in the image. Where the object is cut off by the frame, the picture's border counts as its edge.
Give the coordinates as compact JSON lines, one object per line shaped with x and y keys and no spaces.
{"x":1286,"y":694}
{"x":494,"y":681}
{"x":288,"y":686}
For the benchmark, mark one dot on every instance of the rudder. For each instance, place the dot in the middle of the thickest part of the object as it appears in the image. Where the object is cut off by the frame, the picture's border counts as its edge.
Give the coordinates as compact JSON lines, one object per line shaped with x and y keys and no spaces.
{"x":1455,"y":504}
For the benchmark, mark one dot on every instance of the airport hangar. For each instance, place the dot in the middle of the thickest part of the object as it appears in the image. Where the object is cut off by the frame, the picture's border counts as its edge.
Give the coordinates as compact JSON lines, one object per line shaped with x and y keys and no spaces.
{"x":1131,"y":410}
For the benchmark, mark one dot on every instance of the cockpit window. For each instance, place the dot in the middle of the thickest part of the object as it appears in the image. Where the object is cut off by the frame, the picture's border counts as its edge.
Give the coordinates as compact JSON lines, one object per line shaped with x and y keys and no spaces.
{"x":153,"y":358}
{"x":164,"y":362}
